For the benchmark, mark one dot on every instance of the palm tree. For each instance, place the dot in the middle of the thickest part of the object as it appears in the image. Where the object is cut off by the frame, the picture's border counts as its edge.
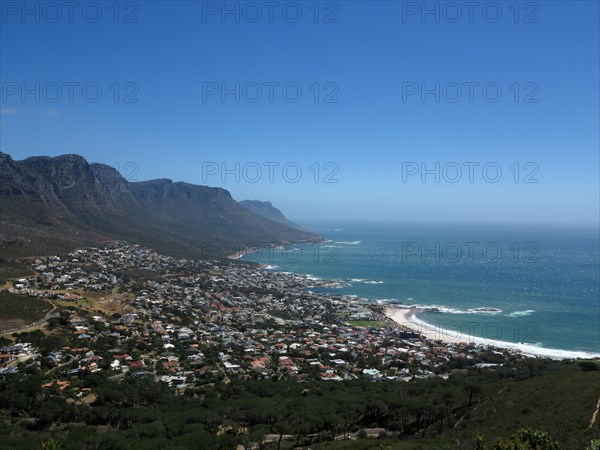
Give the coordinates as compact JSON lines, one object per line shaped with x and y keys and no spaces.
{"x":50,"y":444}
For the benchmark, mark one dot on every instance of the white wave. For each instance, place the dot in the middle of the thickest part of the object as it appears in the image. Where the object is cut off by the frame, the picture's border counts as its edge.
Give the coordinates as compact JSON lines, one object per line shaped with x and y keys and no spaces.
{"x":535,"y":349}
{"x":365,"y":281}
{"x":483,"y":310}
{"x":527,"y":312}
{"x":272,"y":267}
{"x":448,"y":310}
{"x":348,"y":242}
{"x":388,"y":301}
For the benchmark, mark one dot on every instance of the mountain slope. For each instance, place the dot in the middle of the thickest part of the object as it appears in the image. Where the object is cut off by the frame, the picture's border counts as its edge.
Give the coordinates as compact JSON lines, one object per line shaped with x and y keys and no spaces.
{"x":268,"y":211}
{"x":49,"y":204}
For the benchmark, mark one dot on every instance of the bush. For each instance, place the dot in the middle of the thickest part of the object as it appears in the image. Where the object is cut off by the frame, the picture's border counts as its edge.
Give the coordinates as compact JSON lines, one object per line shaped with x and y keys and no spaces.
{"x":594,"y":445}
{"x":588,"y":366}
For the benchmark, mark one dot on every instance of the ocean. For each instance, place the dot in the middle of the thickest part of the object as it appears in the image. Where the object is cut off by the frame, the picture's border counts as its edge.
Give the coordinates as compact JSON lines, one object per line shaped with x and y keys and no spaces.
{"x":539,"y":287}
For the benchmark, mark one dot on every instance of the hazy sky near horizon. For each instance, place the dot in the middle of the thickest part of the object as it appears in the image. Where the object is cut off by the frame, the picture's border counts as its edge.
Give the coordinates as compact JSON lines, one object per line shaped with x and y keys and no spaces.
{"x":401,"y":111}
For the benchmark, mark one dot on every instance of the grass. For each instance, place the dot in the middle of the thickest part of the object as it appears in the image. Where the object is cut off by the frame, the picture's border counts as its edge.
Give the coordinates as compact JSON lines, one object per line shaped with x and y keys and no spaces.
{"x":559,"y":401}
{"x":13,"y":269}
{"x":83,"y":303}
{"x":106,"y":302}
{"x":17,"y":310}
{"x":366,"y":323}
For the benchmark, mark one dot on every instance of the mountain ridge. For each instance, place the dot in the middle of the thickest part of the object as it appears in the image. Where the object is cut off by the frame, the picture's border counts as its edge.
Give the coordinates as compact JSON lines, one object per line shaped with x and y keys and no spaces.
{"x":65,"y":201}
{"x":268,"y":211}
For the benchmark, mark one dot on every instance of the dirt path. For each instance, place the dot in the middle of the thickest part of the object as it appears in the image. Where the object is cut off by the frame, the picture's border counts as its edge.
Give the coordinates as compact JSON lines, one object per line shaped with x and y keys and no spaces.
{"x":34,"y":325}
{"x":476,"y":406}
{"x":595,"y":415}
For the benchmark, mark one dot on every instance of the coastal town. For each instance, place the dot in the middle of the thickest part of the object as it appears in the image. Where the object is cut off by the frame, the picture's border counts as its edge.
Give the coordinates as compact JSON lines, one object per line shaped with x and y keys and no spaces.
{"x":125,"y":310}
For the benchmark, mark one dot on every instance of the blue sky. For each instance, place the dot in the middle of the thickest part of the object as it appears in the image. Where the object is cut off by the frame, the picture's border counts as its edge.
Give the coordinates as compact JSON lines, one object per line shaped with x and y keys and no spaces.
{"x":365,"y":58}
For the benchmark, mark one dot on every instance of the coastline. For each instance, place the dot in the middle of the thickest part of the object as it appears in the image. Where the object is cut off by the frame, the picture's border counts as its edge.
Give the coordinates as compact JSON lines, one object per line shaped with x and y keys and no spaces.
{"x":270,"y":246}
{"x":406,"y":318}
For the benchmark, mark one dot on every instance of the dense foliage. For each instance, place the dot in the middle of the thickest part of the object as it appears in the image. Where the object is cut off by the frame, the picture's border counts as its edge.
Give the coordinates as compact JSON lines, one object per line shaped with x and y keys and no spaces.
{"x":136,"y":412}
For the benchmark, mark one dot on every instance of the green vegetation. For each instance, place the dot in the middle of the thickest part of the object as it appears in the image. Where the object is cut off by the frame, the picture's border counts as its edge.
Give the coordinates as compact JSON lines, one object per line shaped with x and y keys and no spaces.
{"x":366,"y":323}
{"x":50,"y":444}
{"x":558,"y":401}
{"x":44,"y":342}
{"x":594,"y":445}
{"x":590,"y":365}
{"x":525,"y":440}
{"x":17,"y":309}
{"x":13,"y":269}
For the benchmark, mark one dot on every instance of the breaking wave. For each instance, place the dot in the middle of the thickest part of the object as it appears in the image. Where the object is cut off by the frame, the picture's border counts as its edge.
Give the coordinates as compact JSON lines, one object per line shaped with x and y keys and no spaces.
{"x":364,"y":281}
{"x":441,"y":309}
{"x":530,"y":349}
{"x":527,"y":312}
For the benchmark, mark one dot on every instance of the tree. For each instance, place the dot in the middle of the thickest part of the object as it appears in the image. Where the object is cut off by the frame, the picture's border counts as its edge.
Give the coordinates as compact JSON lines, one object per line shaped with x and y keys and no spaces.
{"x":50,"y":444}
{"x":479,"y":442}
{"x":533,"y":365}
{"x":594,"y":445}
{"x":52,"y":410}
{"x":525,"y":440}
{"x":472,"y":390}
{"x":282,"y":427}
{"x":588,"y":366}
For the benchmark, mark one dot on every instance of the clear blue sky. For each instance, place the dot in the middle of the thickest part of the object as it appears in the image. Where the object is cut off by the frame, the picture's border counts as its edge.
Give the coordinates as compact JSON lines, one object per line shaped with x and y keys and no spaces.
{"x":374,"y":55}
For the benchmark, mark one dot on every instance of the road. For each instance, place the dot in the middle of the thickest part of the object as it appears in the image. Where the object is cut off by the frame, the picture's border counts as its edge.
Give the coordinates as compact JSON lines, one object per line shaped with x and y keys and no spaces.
{"x":52,"y":313}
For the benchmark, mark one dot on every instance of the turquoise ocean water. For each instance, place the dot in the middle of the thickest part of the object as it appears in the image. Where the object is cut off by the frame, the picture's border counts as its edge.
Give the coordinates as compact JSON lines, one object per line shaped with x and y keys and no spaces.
{"x":539,"y":287}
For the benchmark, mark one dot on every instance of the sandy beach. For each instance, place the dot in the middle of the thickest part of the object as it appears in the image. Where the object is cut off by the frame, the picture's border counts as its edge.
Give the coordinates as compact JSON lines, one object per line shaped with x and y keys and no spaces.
{"x":406,"y":317}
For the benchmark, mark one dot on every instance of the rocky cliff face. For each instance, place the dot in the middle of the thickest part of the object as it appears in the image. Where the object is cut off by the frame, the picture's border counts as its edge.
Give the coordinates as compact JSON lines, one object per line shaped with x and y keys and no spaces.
{"x":53,"y":178}
{"x":268,"y":211}
{"x":66,"y":200}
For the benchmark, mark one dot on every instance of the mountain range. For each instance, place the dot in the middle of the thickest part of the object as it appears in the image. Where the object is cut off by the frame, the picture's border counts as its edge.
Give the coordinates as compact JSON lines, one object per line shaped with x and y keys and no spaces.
{"x":51,"y":204}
